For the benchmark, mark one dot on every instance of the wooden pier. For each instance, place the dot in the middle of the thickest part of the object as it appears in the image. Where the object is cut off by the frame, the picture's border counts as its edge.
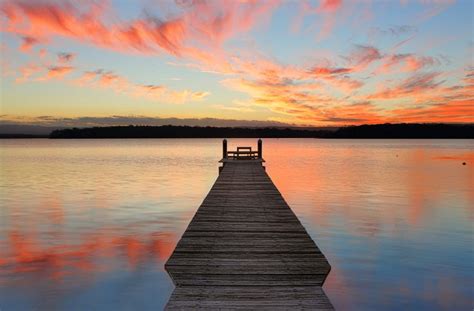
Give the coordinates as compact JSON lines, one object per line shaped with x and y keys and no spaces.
{"x":245,"y":248}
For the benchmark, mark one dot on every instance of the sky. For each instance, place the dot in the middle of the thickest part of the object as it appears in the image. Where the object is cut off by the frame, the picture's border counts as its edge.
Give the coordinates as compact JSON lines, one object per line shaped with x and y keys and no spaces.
{"x":316,"y":63}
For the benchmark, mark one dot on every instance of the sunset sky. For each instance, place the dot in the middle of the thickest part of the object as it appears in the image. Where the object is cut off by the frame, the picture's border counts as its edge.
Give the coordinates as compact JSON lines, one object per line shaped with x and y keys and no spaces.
{"x":319,"y":63}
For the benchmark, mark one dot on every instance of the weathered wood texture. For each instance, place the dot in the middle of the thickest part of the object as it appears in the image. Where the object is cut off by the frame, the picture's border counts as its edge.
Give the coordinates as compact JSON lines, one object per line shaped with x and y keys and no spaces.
{"x":246,"y":249}
{"x":249,"y":298}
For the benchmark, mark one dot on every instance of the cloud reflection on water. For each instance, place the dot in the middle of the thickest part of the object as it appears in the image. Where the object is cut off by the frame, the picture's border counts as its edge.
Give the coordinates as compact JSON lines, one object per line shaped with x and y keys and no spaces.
{"x":91,"y":223}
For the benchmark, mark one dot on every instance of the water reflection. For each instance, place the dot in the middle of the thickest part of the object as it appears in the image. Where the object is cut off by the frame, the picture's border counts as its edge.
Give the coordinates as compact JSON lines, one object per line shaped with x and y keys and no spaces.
{"x":89,"y":224}
{"x":392,"y":218}
{"x":95,"y":220}
{"x":26,"y":254}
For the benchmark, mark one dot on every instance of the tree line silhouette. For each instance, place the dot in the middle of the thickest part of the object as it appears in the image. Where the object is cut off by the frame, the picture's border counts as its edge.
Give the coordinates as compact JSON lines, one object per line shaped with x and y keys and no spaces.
{"x":362,"y":131}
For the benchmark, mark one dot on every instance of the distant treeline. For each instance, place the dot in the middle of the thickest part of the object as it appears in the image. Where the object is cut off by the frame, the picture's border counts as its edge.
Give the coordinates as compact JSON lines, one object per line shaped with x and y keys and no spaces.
{"x":361,"y":131}
{"x":172,"y":131}
{"x":406,"y":130}
{"x":16,"y":136}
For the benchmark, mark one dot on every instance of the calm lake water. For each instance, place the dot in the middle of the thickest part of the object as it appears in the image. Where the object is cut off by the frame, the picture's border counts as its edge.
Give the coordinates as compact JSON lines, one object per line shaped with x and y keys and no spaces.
{"x":88,"y":224}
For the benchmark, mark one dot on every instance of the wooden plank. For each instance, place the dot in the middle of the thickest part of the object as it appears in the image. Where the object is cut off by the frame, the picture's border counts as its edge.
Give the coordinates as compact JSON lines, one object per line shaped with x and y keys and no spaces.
{"x":260,"y":279}
{"x":283,"y":249}
{"x":278,"y":268}
{"x":246,"y":249}
{"x":249,"y":298}
{"x":250,"y":256}
{"x":210,"y":260}
{"x":250,"y":235}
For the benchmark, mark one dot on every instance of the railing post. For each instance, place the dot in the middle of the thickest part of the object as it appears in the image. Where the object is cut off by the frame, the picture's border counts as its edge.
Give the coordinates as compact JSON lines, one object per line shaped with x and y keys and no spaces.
{"x":224,"y":149}
{"x":260,"y":151}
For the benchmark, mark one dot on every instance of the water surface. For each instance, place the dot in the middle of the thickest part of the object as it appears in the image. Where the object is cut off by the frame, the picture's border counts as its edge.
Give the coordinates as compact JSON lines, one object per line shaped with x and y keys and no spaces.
{"x":88,"y":224}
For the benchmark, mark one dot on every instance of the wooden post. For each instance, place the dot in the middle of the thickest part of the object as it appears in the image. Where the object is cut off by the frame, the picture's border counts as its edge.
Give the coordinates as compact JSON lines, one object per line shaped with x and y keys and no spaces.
{"x":224,"y":149}
{"x":260,"y":151}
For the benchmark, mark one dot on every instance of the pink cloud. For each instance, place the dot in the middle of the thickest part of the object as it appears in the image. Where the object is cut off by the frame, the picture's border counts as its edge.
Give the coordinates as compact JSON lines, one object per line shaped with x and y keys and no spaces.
{"x":42,"y":53}
{"x":407,"y":63}
{"x":204,"y":22}
{"x":57,"y":72}
{"x":329,"y":5}
{"x":415,"y":63}
{"x":329,"y":71}
{"x":47,"y":72}
{"x":86,"y":78}
{"x":330,"y":10}
{"x":417,"y":84}
{"x":27,"y":43}
{"x":27,"y":71}
{"x":64,"y":58}
{"x":197,"y":32}
{"x":86,"y":22}
{"x":327,"y":11}
{"x":362,"y":56}
{"x":433,"y":8}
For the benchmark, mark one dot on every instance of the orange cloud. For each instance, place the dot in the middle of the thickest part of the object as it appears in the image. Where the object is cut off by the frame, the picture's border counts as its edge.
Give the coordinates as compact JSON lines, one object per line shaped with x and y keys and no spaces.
{"x":303,"y":96}
{"x":238,"y":106}
{"x":454,"y":111}
{"x":431,"y":101}
{"x":57,"y":72}
{"x":357,"y":113}
{"x":162,"y":93}
{"x":204,"y":22}
{"x":295,"y":92}
{"x":41,"y":20}
{"x":416,"y":85}
{"x":197,"y":30}
{"x":104,"y":79}
{"x":120,"y":84}
{"x":85,"y":22}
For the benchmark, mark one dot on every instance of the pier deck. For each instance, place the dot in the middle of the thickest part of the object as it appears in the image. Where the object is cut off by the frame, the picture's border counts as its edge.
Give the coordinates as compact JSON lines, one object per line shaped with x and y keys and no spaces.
{"x":246,"y":249}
